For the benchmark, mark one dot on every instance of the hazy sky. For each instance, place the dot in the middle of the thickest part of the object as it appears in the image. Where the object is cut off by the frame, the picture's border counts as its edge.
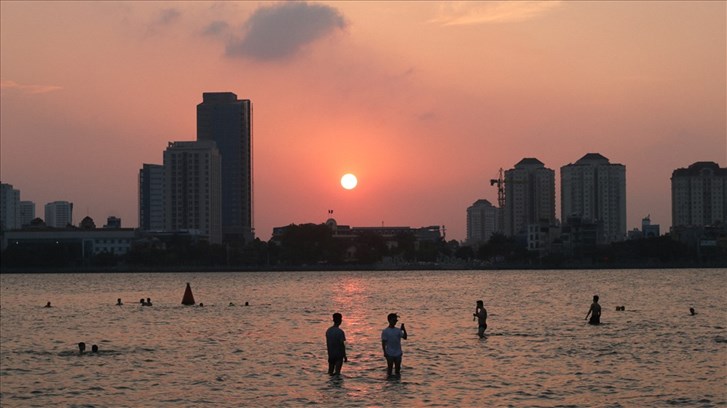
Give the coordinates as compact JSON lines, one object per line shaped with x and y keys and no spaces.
{"x":424,"y":102}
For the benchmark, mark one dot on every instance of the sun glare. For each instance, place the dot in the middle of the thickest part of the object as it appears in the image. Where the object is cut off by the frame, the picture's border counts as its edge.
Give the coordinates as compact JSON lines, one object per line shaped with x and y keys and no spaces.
{"x":349,"y":181}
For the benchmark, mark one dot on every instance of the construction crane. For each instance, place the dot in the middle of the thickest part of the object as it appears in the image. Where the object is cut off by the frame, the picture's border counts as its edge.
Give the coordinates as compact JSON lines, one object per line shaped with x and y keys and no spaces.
{"x":500,"y":182}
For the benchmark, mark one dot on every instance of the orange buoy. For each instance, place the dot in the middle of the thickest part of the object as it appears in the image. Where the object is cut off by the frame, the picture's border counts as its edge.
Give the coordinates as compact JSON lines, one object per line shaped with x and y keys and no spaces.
{"x":188,"y":298}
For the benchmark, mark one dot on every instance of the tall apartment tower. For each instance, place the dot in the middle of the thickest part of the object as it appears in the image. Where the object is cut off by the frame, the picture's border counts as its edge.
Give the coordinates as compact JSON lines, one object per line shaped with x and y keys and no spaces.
{"x":59,"y":214}
{"x":226,"y":120}
{"x":27,"y":213}
{"x":192,"y":194}
{"x":529,"y":196}
{"x":482,"y":221}
{"x":593,"y":189}
{"x":9,"y":207}
{"x":151,"y":197}
{"x":699,"y":195}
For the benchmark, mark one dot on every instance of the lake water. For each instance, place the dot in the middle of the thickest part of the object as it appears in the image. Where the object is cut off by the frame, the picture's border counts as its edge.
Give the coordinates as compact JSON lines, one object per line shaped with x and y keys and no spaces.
{"x":539,"y":351}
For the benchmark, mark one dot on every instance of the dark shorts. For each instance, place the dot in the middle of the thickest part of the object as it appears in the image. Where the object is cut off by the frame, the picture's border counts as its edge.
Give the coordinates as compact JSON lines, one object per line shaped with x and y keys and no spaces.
{"x":396,"y":359}
{"x":334,"y":360}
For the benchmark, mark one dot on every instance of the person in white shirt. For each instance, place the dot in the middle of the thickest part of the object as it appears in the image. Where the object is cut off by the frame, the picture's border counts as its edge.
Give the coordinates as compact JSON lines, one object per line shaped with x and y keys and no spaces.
{"x":391,"y":343}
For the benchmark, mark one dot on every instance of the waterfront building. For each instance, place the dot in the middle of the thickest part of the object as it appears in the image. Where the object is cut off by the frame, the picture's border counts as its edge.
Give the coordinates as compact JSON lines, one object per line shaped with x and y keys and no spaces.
{"x":483,"y":220}
{"x":151,"y":197}
{"x":79,"y":243}
{"x":27,"y":213}
{"x":593,"y":190}
{"x":390,"y":235}
{"x":699,"y":195}
{"x":59,"y":214}
{"x":529,"y":196}
{"x":227,"y":121}
{"x":192,"y":188}
{"x":9,"y":207}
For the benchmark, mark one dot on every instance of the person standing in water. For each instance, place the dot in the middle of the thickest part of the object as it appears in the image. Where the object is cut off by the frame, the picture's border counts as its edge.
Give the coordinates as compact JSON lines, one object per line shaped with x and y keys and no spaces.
{"x":481,"y":315}
{"x":336,"y":345}
{"x":594,"y":312}
{"x":391,"y":343}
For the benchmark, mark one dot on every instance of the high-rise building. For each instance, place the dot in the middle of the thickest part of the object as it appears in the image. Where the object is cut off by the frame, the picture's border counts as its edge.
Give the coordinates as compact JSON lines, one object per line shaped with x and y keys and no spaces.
{"x":9,"y":207}
{"x":192,"y":194}
{"x":151,"y":197}
{"x":594,"y":190}
{"x":529,"y":196}
{"x":482,"y":221}
{"x":699,"y":195}
{"x":27,"y":212}
{"x":59,"y":214}
{"x":227,"y":121}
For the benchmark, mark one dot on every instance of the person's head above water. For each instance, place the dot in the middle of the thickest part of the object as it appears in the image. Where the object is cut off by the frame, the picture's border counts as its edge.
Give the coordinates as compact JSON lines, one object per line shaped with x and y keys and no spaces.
{"x":337,"y":318}
{"x":81,"y":347}
{"x":94,"y":349}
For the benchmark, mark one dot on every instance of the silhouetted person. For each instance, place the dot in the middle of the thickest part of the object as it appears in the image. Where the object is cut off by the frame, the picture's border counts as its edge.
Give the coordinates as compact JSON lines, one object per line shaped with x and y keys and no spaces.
{"x":481,"y":315}
{"x":142,"y":302}
{"x":47,"y":305}
{"x":691,"y":311}
{"x":118,"y":302}
{"x":247,"y":304}
{"x":94,"y":349}
{"x":594,"y":312}
{"x":201,"y":304}
{"x":231,"y":304}
{"x":336,"y":345}
{"x":391,"y":343}
{"x":148,"y":301}
{"x":81,"y":347}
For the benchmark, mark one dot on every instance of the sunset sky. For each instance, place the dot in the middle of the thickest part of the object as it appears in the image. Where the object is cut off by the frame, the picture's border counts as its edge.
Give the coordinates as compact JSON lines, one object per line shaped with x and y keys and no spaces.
{"x":422,"y":101}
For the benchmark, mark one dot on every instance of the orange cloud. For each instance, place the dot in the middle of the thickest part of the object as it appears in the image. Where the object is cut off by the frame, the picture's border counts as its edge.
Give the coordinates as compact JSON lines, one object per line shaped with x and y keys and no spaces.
{"x":468,"y":13}
{"x":30,"y":89}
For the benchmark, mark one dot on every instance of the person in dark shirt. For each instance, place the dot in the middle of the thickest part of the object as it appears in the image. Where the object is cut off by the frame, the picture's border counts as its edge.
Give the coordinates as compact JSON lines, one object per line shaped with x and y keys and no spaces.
{"x":594,"y":312}
{"x":336,"y":344}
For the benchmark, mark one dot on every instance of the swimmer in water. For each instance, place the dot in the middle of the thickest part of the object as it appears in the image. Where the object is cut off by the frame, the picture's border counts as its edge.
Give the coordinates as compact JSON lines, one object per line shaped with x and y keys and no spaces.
{"x":94,"y":349}
{"x":81,"y":347}
{"x":118,"y":302}
{"x":148,"y":302}
{"x":47,"y":305}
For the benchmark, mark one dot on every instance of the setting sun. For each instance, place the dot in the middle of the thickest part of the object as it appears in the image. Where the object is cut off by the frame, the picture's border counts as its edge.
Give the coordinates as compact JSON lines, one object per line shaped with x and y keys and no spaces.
{"x":349,"y":181}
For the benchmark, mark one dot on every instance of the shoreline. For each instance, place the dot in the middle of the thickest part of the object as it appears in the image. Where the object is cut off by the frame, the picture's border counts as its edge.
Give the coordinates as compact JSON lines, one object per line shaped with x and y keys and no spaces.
{"x":364,"y":268}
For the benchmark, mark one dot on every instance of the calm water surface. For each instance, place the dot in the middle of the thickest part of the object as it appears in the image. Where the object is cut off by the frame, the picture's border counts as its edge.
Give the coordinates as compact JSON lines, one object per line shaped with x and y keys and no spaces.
{"x":539,"y":351}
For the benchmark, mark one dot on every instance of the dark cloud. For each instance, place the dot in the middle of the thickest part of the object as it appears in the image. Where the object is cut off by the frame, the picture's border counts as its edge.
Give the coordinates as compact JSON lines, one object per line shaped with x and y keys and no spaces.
{"x":167,"y":16}
{"x":215,"y":28}
{"x":280,"y":31}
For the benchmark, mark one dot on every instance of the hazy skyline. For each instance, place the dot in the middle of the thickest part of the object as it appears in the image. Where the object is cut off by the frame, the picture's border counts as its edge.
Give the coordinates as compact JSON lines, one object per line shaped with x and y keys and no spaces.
{"x":423,"y":102}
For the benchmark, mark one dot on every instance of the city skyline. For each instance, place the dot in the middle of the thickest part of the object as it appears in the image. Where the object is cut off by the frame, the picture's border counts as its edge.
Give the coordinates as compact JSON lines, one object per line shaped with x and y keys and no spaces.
{"x":423,"y":102}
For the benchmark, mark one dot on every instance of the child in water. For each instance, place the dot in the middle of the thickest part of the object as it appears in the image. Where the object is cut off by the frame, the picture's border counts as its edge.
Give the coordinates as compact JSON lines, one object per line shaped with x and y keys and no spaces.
{"x":594,"y":312}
